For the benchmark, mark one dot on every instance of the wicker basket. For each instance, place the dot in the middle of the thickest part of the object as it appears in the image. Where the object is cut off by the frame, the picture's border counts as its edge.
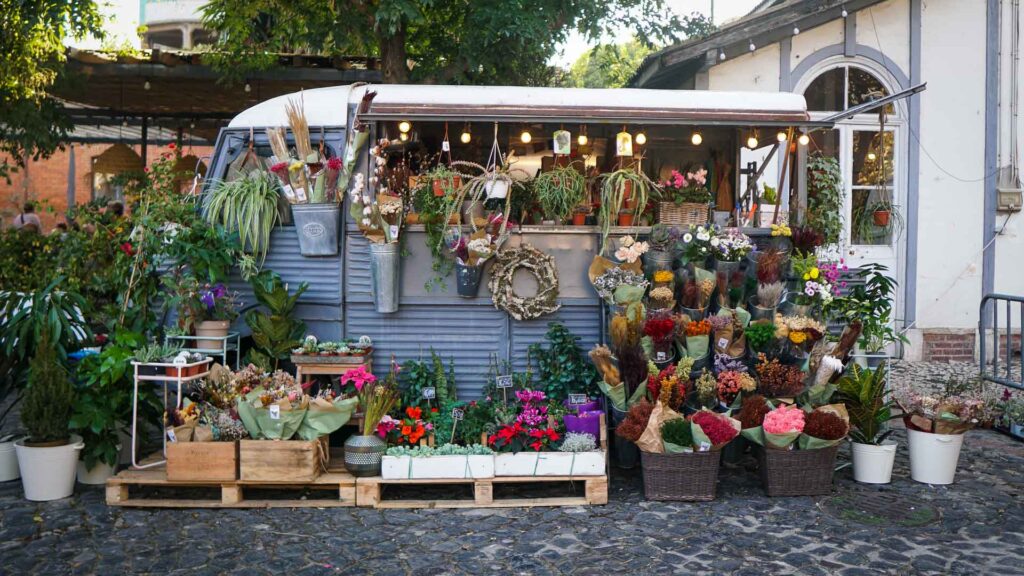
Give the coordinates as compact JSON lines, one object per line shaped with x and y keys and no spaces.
{"x":797,"y":472}
{"x":687,"y":213}
{"x":688,"y":476}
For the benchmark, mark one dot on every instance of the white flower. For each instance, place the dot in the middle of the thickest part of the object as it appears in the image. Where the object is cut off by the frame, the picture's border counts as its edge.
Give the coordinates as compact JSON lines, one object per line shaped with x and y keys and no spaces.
{"x":715,"y":242}
{"x":703,"y":236}
{"x":366,"y":222}
{"x":687,"y":237}
{"x":700,"y":230}
{"x":367,"y":211}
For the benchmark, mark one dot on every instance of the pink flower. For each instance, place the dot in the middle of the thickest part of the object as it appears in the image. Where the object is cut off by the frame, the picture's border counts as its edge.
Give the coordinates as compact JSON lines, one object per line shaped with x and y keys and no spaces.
{"x":783,"y":420}
{"x":359,"y":377}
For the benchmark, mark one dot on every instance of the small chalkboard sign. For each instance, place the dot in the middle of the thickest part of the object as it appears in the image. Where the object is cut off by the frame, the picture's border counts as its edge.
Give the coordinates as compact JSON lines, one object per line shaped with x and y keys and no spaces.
{"x":430,"y":393}
{"x":457,"y":414}
{"x":577,"y":399}
{"x":503,"y":381}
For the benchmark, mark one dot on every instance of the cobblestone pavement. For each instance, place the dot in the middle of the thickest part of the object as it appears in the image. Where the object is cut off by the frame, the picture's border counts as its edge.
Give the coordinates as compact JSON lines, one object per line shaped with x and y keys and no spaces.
{"x":975,"y":526}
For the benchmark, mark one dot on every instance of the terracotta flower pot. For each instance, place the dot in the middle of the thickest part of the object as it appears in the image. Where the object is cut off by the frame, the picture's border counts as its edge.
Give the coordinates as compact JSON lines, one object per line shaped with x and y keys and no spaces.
{"x":579,"y":219}
{"x":213,"y":329}
{"x":881,"y":218}
{"x":627,"y":191}
{"x":625,"y":219}
{"x":439,"y":183}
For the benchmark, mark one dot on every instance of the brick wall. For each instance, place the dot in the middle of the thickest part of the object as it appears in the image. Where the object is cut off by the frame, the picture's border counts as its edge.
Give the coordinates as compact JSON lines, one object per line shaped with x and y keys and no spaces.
{"x":948,"y":346}
{"x":47,"y":180}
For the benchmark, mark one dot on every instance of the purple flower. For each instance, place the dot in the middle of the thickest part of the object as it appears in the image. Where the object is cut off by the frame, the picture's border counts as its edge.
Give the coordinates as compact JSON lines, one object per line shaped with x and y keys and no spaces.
{"x":208,"y":299}
{"x":220,"y":291}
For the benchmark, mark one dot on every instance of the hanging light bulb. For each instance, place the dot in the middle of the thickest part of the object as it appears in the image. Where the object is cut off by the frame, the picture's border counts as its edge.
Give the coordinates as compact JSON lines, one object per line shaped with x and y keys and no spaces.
{"x":640,"y":138}
{"x":796,"y":30}
{"x":145,"y":86}
{"x":804,"y":139}
{"x":752,"y":47}
{"x":872,"y":157}
{"x":248,"y":88}
{"x":752,"y":142}
{"x":404,"y":126}
{"x":466,"y":135}
{"x":582,"y":140}
{"x":526,"y":137}
{"x":125,"y":122}
{"x":721,"y":54}
{"x":696,"y":139}
{"x":403,"y":136}
{"x":845,"y":13}
{"x":781,"y":136}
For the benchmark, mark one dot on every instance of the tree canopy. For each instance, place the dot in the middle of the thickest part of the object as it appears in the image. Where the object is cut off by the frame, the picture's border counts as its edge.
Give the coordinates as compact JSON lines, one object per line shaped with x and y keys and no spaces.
{"x":429,"y":41}
{"x":31,"y":59}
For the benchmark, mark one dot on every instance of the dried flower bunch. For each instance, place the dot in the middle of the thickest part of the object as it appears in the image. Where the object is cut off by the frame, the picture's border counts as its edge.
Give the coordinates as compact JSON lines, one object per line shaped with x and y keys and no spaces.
{"x":825,"y":425}
{"x":663,"y":276}
{"x":698,"y":328}
{"x":601,"y":356}
{"x":724,"y":363}
{"x":715,"y":426}
{"x":691,"y":295}
{"x":770,"y":295}
{"x":719,"y":322}
{"x":806,"y":239}
{"x":753,"y":410}
{"x":607,"y":283}
{"x":779,"y":380}
{"x":707,"y":389}
{"x":732,"y":383}
{"x":769,"y":266}
{"x":633,"y":426}
{"x":671,"y":385}
{"x":662,"y":297}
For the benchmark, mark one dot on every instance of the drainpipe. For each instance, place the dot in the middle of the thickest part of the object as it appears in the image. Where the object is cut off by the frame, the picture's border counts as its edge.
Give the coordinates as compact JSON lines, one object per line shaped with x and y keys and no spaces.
{"x":988,"y":266}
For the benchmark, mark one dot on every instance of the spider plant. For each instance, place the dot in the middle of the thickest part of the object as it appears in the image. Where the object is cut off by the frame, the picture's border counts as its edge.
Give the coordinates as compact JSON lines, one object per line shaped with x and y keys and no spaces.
{"x":559,"y":191}
{"x":247,"y":206}
{"x":615,"y":187}
{"x":867,"y":231}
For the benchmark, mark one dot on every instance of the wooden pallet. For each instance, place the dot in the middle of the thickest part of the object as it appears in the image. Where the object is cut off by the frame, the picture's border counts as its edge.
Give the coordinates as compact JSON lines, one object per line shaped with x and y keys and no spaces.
{"x":232,"y":493}
{"x":369,"y":492}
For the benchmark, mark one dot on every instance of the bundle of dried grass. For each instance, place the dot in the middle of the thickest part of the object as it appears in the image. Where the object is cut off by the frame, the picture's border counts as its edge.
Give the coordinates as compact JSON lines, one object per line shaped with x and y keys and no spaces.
{"x":601,"y":356}
{"x":769,"y":295}
{"x":300,"y":130}
{"x":278,"y":143}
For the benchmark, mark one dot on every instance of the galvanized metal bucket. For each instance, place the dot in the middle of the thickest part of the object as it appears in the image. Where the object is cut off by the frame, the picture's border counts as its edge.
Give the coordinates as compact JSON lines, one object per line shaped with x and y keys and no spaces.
{"x":467,"y":279}
{"x":655,"y":260}
{"x":363,"y":455}
{"x":385,"y":267}
{"x":317,"y":227}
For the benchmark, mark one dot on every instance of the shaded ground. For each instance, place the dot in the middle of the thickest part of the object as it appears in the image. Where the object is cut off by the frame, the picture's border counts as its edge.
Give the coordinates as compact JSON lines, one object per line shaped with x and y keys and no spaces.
{"x":975,"y":526}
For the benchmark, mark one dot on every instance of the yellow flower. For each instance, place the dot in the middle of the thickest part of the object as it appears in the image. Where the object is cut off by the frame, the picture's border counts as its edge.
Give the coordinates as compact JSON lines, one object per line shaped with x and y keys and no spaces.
{"x":797,"y":337}
{"x":807,"y":276}
{"x":814,"y":273}
{"x":662,"y":276}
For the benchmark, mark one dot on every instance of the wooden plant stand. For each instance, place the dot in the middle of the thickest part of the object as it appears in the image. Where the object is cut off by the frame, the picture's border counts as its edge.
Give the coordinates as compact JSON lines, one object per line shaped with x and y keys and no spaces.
{"x":369,"y":491}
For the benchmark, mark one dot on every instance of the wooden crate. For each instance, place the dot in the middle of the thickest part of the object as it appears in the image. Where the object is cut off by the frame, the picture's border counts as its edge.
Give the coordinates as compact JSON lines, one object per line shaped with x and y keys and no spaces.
{"x":202,"y":461}
{"x":281,"y":460}
{"x":126,"y":489}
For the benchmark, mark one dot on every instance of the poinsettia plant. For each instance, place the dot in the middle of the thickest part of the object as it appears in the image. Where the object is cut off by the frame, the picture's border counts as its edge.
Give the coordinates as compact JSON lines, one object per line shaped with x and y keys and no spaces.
{"x":518,"y":438}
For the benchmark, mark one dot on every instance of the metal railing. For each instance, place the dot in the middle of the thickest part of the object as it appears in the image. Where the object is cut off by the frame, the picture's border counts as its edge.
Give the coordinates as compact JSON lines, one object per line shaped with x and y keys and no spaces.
{"x":997,"y":365}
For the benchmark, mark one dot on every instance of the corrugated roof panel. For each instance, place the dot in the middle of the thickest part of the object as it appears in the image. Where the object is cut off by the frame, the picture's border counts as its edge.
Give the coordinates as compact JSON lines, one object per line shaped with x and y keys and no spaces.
{"x":470,"y":334}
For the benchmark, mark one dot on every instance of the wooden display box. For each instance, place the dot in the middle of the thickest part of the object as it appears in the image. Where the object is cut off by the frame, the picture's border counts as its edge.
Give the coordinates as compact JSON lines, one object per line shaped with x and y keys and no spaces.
{"x":202,"y":461}
{"x":282,"y":460}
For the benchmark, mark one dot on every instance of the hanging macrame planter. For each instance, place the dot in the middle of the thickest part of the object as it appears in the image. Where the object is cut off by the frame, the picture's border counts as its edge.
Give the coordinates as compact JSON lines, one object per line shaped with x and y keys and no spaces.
{"x":543,"y":268}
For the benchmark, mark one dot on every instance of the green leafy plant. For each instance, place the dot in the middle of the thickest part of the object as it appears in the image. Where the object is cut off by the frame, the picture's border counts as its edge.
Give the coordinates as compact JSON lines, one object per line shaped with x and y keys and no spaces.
{"x":615,"y":186}
{"x":156,"y":352}
{"x":760,"y":334}
{"x":868,"y":402}
{"x":769,"y":195}
{"x":274,"y":332}
{"x":563,"y":367}
{"x":871,"y":302}
{"x":247,"y":206}
{"x":825,"y":197}
{"x":433,"y":211}
{"x":48,"y":400}
{"x":865,"y":231}
{"x":419,"y":374}
{"x":442,"y":450}
{"x":559,"y":191}
{"x":678,"y":432}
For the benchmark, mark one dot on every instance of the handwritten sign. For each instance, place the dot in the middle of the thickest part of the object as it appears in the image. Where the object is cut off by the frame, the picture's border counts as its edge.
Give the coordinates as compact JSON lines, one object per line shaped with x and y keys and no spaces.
{"x":504,"y":381}
{"x":457,"y":414}
{"x":660,"y":356}
{"x":275,"y":412}
{"x":577,"y":399}
{"x":171,"y":435}
{"x":429,"y":393}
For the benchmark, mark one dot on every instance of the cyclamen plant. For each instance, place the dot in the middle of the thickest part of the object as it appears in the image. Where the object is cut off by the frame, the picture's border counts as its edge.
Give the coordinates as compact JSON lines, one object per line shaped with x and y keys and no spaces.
{"x":691,"y":187}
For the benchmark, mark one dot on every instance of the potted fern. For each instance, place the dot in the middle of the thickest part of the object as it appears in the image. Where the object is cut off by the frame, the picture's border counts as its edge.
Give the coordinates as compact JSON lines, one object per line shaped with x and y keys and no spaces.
{"x":48,"y":457}
{"x":869,"y":404}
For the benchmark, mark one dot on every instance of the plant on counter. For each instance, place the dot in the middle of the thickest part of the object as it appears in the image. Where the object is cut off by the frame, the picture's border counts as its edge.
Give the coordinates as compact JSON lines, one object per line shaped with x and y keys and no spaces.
{"x":806,"y":240}
{"x":618,"y":187}
{"x":274,"y":332}
{"x":247,"y":206}
{"x":198,"y":302}
{"x":690,"y":188}
{"x":377,"y":398}
{"x":408,"y":429}
{"x":732,"y":246}
{"x":152,"y":353}
{"x":419,"y":451}
{"x":871,"y":302}
{"x":559,"y":191}
{"x":562,"y":366}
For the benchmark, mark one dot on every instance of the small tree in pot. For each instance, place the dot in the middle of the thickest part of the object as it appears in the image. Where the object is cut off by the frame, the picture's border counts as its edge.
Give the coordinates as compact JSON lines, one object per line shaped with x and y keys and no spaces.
{"x":869,"y":404}
{"x":48,"y":456}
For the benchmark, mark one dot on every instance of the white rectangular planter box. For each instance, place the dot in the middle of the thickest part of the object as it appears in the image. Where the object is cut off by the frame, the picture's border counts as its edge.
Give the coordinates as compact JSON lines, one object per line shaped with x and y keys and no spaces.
{"x":550,"y":464}
{"x":437,"y":467}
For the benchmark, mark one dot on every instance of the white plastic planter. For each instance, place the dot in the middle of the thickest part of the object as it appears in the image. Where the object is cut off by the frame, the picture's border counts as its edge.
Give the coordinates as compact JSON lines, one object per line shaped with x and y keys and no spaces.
{"x":873,"y":464}
{"x":933,"y":457}
{"x":437,"y":467}
{"x":48,"y":473}
{"x":96,"y":475}
{"x":550,"y":464}
{"x":8,"y":462}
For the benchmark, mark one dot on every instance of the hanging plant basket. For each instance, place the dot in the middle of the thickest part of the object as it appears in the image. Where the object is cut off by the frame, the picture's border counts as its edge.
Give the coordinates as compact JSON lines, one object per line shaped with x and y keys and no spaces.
{"x":542,"y":266}
{"x":881,"y":218}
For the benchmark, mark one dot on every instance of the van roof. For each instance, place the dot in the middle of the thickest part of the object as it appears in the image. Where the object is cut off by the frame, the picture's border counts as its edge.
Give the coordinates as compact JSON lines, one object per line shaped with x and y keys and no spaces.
{"x":329,"y":106}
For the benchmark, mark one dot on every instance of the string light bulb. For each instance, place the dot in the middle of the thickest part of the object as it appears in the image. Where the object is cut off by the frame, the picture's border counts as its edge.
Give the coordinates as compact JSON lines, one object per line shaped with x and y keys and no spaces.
{"x":796,"y":30}
{"x":752,"y":142}
{"x":466,"y":136}
{"x":526,"y":137}
{"x":804,"y":139}
{"x":404,"y":126}
{"x":640,"y":138}
{"x":582,"y":140}
{"x":872,"y":156}
{"x":752,"y":47}
{"x":248,"y":88}
{"x":403,"y":136}
{"x":781,"y":136}
{"x":696,"y":139}
{"x":145,"y":86}
{"x":721,"y":55}
{"x":845,"y":13}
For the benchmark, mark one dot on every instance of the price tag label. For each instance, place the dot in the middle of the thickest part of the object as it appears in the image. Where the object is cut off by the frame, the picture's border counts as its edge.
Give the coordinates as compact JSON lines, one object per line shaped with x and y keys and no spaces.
{"x":504,"y":381}
{"x":577,"y":399}
{"x":723,"y":342}
{"x":275,"y":412}
{"x":429,"y":393}
{"x":446,"y":146}
{"x":660,"y":356}
{"x":171,"y":435}
{"x":394,"y":230}
{"x":704,"y":446}
{"x":457,"y":414}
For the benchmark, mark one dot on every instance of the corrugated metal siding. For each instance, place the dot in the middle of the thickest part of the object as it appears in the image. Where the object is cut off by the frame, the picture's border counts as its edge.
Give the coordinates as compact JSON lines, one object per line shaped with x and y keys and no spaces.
{"x":357,"y":268}
{"x":469,"y":334}
{"x":583,"y":321}
{"x":323,"y":274}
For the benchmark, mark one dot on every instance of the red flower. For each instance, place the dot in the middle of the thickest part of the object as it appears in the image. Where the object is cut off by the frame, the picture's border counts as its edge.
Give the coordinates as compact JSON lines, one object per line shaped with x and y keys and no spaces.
{"x":433,"y":409}
{"x":552,"y":434}
{"x":413,"y":412}
{"x":171,"y":146}
{"x":127,"y":248}
{"x":536,"y":445}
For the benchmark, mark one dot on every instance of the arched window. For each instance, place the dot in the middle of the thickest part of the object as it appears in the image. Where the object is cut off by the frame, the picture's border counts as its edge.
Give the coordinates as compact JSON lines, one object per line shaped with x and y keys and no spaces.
{"x":843,"y":87}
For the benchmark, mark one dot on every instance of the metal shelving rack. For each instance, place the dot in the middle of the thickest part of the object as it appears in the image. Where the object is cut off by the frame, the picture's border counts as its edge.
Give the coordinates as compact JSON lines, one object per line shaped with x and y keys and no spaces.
{"x":165,"y":380}
{"x":229,"y":343}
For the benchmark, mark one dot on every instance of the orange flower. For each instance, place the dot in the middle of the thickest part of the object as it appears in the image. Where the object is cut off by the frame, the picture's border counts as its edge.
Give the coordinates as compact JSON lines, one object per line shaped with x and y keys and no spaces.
{"x":406,"y":430}
{"x":413,"y":412}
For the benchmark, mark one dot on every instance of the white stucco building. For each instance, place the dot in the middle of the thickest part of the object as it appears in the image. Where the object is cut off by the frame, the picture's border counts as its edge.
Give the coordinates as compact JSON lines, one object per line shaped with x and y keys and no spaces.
{"x":952,"y":150}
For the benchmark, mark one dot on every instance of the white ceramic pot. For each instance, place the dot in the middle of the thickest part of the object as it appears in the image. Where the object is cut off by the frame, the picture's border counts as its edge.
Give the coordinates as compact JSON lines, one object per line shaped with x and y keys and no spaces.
{"x":933,"y":457}
{"x":98,"y":474}
{"x":549,"y":464}
{"x":496,"y":189}
{"x":48,"y":473}
{"x":437,"y":467}
{"x":873,"y":464}
{"x":212,"y":328}
{"x":8,"y":462}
